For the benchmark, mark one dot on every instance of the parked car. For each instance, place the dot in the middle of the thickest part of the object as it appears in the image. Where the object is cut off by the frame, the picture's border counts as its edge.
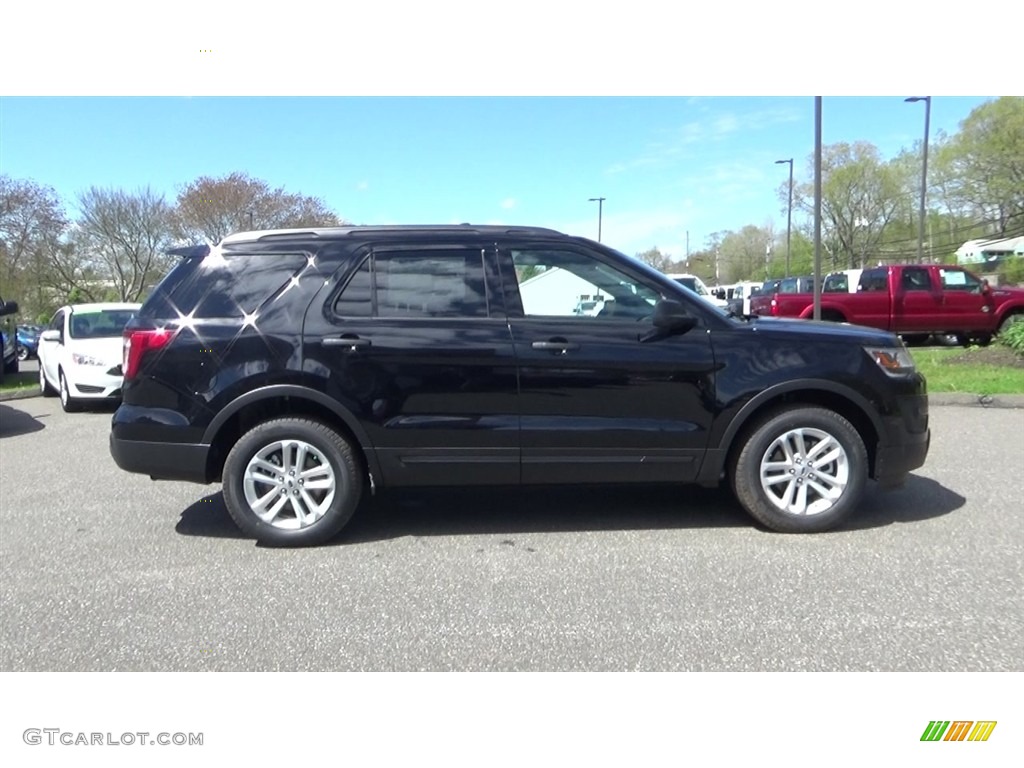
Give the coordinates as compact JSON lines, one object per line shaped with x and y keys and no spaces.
{"x":28,"y":341}
{"x":698,"y":286}
{"x":913,"y":299}
{"x":304,"y":369}
{"x":80,"y":353}
{"x":8,"y":342}
{"x":738,"y":298}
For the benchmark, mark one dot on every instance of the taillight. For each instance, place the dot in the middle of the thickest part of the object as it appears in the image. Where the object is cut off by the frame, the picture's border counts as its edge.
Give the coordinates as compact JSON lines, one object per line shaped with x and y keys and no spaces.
{"x":775,"y":307}
{"x":139,"y":342}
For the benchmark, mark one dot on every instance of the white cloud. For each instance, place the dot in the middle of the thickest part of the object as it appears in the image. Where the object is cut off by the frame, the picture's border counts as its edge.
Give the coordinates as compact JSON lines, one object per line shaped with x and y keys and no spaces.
{"x":508,"y":203}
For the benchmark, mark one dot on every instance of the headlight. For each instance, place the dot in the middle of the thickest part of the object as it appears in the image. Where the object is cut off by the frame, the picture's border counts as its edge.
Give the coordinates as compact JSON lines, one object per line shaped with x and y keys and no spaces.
{"x":895,"y":361}
{"x":86,"y":359}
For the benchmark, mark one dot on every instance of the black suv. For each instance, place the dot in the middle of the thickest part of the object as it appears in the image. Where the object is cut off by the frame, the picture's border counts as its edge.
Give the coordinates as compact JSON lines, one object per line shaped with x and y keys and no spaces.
{"x":306,"y":368}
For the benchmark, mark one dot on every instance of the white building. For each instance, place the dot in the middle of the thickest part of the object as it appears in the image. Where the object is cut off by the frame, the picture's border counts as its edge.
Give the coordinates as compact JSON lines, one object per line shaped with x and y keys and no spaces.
{"x":560,"y":293}
{"x":988,"y":251}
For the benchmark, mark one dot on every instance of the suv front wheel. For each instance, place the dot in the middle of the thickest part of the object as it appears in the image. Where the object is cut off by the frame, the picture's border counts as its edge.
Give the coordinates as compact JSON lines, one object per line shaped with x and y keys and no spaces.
{"x":801,"y":470}
{"x":292,"y":482}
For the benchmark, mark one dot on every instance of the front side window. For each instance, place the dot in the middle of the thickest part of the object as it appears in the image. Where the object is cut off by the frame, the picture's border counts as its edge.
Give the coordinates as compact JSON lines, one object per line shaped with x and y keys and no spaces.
{"x":555,"y":283}
{"x":958,"y":280}
{"x":426,"y":284}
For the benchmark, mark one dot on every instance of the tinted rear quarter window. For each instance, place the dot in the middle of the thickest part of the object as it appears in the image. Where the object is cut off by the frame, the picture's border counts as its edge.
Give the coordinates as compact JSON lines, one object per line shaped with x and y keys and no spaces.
{"x":222,"y":285}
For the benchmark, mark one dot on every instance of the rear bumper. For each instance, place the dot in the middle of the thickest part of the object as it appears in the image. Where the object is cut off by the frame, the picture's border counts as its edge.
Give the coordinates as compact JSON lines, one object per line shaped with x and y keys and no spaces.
{"x":162,"y":461}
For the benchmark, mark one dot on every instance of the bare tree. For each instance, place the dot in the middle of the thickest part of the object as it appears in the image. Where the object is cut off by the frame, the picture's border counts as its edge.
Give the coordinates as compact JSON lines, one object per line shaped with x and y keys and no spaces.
{"x":32,"y":221}
{"x":126,"y":237}
{"x":657,"y":259}
{"x":209,"y":209}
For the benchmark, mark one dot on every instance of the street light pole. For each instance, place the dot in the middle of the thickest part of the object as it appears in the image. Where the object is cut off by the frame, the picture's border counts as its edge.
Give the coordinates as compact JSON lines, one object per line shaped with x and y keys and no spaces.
{"x":924,"y":173}
{"x":789,"y":214}
{"x":600,"y":209}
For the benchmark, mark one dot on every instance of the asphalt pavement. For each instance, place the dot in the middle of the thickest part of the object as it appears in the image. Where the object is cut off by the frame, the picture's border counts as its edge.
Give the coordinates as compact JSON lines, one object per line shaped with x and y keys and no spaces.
{"x":104,"y":570}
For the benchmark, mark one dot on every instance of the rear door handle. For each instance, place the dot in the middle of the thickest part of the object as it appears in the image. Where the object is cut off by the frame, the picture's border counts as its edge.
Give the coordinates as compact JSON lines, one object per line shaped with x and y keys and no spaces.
{"x":351,"y":343}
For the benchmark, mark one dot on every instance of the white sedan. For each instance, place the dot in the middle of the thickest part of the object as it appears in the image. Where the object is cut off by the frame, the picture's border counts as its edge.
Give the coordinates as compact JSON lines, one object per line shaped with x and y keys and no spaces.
{"x":81,"y":350}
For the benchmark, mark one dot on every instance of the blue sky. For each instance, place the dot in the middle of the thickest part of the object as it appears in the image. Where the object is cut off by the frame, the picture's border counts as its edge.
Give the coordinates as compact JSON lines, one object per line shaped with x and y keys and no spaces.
{"x":452,"y":111}
{"x":666,"y":165}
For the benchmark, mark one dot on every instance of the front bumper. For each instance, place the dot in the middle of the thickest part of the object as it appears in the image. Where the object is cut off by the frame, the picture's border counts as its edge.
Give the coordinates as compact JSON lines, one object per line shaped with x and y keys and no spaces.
{"x":93,"y":382}
{"x":905,"y":446}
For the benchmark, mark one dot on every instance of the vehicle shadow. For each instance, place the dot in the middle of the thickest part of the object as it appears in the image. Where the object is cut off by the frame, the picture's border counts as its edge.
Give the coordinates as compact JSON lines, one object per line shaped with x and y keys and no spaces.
{"x":208,"y":517}
{"x":15,"y":422}
{"x":920,"y":498}
{"x":460,"y":512}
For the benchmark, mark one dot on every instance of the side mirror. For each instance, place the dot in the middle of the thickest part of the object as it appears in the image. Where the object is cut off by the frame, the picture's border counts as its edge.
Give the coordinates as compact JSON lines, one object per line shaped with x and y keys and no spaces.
{"x":51,"y":335}
{"x":985,"y":287}
{"x":8,"y":307}
{"x":670,"y":319}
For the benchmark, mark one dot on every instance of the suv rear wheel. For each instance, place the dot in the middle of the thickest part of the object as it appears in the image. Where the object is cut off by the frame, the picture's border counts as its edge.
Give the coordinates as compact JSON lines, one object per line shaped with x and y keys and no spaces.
{"x":801,"y":470}
{"x":292,"y":482}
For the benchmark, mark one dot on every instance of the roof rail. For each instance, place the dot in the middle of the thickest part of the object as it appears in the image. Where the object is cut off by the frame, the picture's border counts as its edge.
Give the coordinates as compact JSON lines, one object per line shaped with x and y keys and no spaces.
{"x":348,"y":231}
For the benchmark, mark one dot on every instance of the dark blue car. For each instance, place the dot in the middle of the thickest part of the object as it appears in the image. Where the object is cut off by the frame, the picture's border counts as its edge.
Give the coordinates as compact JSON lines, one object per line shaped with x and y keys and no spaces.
{"x":28,"y":341}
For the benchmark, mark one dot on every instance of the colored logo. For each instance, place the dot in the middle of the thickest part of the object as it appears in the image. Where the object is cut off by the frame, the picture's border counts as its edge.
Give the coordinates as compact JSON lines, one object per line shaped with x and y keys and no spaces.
{"x":958,"y":730}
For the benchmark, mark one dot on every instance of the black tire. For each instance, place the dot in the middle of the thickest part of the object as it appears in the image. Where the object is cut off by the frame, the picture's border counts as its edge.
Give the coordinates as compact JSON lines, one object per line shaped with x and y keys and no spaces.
{"x":915,"y":339}
{"x":278,"y":443}
{"x":846,"y":474}
{"x":12,"y":366}
{"x":981,"y":340}
{"x":44,"y":385}
{"x":67,"y":402}
{"x":1009,"y":321}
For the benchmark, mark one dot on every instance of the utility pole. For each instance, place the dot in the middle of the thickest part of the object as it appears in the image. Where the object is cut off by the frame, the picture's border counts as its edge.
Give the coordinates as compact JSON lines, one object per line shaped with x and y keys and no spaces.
{"x":924,"y":173}
{"x":817,"y":208}
{"x":600,"y":210}
{"x":789,"y":215}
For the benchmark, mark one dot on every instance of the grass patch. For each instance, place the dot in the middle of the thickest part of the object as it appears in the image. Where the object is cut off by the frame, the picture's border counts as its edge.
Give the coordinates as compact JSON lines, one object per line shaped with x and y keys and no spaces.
{"x":19,"y":382}
{"x":990,"y":370}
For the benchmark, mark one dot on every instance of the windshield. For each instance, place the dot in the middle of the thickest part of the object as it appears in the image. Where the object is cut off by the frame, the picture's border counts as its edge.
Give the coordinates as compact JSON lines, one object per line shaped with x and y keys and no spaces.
{"x":99,"y":324}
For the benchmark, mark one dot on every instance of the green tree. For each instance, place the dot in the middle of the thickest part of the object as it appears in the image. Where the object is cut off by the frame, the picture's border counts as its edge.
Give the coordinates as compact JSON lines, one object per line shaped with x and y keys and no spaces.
{"x":981,"y":168}
{"x":860,"y":195}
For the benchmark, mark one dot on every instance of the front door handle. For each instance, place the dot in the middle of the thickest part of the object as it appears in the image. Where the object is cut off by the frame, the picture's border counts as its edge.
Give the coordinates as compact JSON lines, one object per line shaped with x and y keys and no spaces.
{"x":351,"y":343}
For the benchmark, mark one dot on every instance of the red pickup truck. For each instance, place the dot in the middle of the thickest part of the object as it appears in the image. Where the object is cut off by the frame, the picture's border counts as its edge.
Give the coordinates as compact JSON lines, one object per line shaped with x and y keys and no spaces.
{"x":909,"y":300}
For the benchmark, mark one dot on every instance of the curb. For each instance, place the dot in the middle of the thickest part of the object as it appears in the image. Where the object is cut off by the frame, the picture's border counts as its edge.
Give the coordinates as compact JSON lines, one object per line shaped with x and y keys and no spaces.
{"x":21,"y":394}
{"x":979,"y":401}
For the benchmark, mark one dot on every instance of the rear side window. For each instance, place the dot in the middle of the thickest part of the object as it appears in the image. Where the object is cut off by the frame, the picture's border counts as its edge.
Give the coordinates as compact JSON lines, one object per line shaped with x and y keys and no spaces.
{"x":426,"y":284}
{"x":223,"y":285}
{"x":873,"y":280}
